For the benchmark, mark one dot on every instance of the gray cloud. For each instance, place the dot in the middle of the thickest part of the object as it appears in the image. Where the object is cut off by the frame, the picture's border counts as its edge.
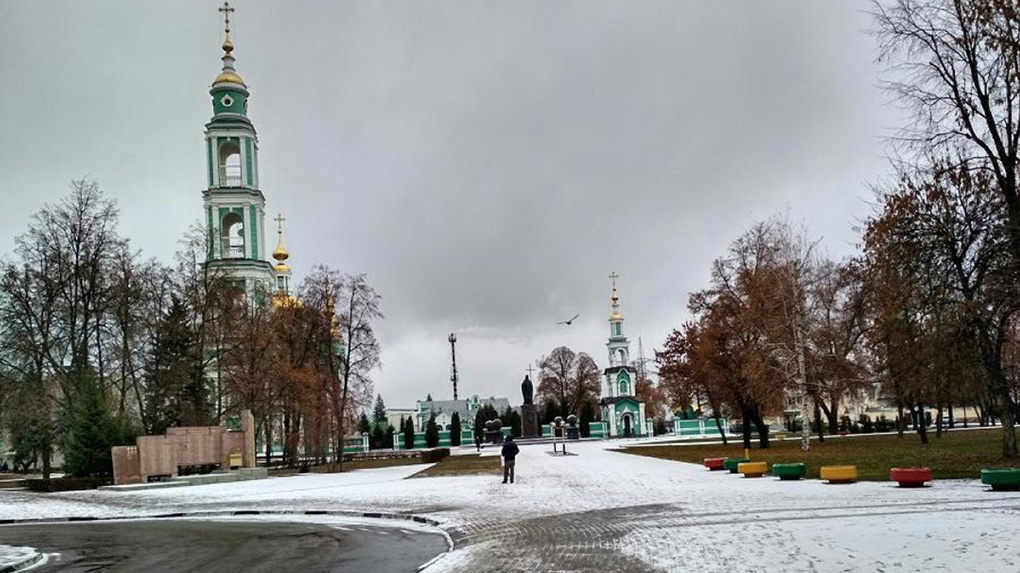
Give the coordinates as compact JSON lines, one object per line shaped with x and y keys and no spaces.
{"x":486,"y":163}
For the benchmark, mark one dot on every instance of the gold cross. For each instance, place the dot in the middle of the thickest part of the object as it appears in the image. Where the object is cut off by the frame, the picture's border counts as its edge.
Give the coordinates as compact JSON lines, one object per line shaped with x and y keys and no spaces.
{"x":280,"y":219}
{"x":226,"y":9}
{"x":614,"y":276}
{"x":530,"y":370}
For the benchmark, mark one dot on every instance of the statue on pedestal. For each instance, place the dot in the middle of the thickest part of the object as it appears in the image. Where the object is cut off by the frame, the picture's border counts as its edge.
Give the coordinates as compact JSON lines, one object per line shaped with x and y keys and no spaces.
{"x":529,"y":414}
{"x":528,"y":390}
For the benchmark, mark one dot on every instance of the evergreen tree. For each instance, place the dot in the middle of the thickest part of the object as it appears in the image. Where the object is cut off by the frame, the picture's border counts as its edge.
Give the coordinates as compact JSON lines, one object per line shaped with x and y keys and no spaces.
{"x":586,"y":418}
{"x":409,"y":434}
{"x":379,"y":412}
{"x":507,"y":416}
{"x":377,"y":439}
{"x":455,"y":429}
{"x":550,"y":409}
{"x":176,"y":391}
{"x":485,"y":413}
{"x":92,"y":431}
{"x":364,"y":426}
{"x":516,"y":425}
{"x":429,"y":397}
{"x":432,"y":432}
{"x":479,"y":426}
{"x":390,"y":431}
{"x":28,"y":422}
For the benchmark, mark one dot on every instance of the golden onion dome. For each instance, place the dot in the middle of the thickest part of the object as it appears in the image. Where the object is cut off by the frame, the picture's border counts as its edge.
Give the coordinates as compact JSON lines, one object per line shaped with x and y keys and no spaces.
{"x":281,"y":267}
{"x":280,"y":253}
{"x":229,"y":77}
{"x":286,"y":300}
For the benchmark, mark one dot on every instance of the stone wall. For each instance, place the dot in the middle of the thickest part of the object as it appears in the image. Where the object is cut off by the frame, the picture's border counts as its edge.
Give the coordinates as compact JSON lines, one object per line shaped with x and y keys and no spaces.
{"x":199,"y":446}
{"x":191,"y":446}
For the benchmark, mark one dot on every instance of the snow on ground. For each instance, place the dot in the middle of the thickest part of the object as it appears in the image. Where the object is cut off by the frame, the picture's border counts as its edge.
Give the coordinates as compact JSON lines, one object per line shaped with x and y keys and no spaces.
{"x":13,"y":558}
{"x":607,"y":511}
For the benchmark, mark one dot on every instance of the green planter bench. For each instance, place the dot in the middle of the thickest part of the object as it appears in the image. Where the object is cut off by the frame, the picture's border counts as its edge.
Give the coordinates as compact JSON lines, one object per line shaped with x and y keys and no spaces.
{"x":789,"y":472}
{"x":733,"y":463}
{"x":1001,"y":479}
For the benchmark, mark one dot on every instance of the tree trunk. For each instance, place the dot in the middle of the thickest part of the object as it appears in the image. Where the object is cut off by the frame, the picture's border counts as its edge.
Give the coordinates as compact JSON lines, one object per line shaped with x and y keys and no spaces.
{"x":288,"y":458}
{"x":747,"y":430}
{"x":47,"y":453}
{"x":832,"y":416}
{"x":763,"y":431}
{"x":818,"y":422}
{"x":919,"y":424}
{"x":805,"y":407}
{"x":1009,"y":450}
{"x":269,"y":441}
{"x":952,"y":422}
{"x":718,"y":425}
{"x":900,"y":422}
{"x":938,"y":420}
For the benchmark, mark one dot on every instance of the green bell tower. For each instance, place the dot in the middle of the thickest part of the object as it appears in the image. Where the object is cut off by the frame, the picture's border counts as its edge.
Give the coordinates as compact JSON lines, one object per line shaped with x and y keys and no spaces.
{"x":621,"y":406}
{"x":234,"y":204}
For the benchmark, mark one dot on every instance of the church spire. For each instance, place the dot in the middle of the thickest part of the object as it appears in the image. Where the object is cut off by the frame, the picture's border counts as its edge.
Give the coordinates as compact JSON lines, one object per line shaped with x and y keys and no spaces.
{"x":228,"y":74}
{"x":615,"y":299}
{"x":281,"y":255}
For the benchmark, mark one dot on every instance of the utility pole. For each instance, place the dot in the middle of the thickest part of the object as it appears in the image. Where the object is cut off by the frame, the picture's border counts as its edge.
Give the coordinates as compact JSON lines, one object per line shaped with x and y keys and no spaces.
{"x":453,"y":354}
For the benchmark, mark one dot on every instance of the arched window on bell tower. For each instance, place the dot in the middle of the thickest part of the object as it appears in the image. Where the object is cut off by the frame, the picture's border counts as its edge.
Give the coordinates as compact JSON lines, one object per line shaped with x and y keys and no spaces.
{"x":230,"y":163}
{"x":232,"y":236}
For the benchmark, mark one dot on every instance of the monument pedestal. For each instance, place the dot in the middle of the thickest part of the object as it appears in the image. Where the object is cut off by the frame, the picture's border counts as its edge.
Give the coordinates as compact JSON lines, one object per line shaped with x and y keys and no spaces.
{"x":529,"y":421}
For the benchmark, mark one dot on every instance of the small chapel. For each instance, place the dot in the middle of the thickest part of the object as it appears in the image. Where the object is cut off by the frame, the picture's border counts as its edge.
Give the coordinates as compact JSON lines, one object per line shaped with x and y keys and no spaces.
{"x":621,"y":407}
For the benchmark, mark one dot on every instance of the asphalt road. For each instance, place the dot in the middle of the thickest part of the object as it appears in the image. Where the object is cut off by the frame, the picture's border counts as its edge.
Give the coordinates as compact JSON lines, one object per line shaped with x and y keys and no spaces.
{"x":249,"y":547}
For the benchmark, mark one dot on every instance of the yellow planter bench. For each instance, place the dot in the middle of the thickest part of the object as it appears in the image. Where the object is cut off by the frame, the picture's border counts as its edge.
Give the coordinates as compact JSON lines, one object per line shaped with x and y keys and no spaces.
{"x":839,"y":474}
{"x":753,"y":469}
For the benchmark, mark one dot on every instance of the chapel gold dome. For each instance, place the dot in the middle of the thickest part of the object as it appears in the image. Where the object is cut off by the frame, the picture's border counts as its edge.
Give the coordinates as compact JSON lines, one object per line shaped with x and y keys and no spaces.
{"x":229,"y":77}
{"x":281,"y":253}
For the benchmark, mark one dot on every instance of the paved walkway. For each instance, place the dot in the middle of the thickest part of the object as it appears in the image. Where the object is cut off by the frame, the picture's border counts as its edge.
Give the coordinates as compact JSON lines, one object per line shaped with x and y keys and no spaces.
{"x":607,"y":511}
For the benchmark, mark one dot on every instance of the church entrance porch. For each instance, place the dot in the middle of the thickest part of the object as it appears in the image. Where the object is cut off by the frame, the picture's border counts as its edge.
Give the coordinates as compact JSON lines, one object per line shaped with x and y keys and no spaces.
{"x":628,"y":425}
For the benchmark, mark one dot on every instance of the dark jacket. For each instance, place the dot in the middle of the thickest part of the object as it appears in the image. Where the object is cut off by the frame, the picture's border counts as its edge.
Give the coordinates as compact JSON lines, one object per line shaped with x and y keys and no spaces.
{"x":510,"y":451}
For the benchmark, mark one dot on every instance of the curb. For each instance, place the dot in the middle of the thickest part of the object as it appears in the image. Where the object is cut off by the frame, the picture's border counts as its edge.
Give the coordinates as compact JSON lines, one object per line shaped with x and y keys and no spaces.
{"x":28,"y":562}
{"x":177,"y":515}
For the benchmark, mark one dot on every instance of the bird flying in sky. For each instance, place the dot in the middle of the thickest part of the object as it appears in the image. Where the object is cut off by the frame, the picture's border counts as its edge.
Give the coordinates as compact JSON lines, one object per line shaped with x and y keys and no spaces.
{"x":569,"y":322}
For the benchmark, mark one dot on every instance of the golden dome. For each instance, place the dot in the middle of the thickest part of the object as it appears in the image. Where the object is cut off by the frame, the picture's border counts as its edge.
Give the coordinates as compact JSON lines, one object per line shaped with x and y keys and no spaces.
{"x":281,"y":267}
{"x":228,"y":46}
{"x":280,"y":253}
{"x":286,"y":300}
{"x":229,"y":77}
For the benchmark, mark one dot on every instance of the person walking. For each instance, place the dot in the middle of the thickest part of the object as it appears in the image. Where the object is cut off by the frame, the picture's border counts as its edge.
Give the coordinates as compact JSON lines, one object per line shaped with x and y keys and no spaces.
{"x":509,"y":453}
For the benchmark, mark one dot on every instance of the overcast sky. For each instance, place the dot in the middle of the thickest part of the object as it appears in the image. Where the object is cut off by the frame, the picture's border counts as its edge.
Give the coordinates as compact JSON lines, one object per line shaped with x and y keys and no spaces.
{"x":486,"y":163}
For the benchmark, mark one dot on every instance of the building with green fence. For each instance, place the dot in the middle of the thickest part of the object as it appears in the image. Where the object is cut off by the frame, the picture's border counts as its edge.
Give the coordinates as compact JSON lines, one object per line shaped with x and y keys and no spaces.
{"x":699,"y":428}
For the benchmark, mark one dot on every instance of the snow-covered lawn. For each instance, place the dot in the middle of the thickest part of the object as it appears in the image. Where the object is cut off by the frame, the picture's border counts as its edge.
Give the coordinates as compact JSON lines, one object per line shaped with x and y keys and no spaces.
{"x":607,"y":511}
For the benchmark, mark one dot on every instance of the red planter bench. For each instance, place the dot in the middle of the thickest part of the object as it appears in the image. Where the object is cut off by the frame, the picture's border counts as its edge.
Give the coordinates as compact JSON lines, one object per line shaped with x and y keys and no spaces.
{"x":715,"y":464}
{"x":910,"y":477}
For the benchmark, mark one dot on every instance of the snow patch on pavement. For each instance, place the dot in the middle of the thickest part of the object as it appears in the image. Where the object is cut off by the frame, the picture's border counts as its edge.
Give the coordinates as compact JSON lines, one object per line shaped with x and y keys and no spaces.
{"x":17,"y":558}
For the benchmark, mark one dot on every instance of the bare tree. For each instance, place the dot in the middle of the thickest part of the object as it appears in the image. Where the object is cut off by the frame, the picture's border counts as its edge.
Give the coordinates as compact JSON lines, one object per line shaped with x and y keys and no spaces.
{"x":348,"y":350}
{"x":957,"y":64}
